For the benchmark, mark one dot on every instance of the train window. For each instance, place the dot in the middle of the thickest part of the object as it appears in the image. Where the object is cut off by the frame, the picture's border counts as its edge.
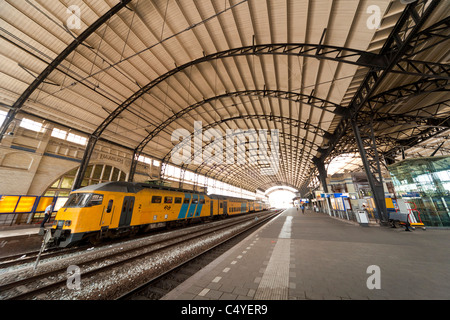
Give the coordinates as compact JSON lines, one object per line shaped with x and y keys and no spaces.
{"x":96,"y":199}
{"x":110,"y":204}
{"x":77,"y":200}
{"x":186,"y":200}
{"x":221,"y":205}
{"x":168,"y":199}
{"x":177,"y":200}
{"x":195,"y":201}
{"x":202,"y":201}
{"x":156,"y":199}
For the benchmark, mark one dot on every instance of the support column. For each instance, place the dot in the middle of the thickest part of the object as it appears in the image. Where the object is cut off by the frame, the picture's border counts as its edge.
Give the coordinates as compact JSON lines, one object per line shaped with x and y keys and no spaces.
{"x":85,"y":161}
{"x":322,"y":173}
{"x":372,"y":168}
{"x":134,"y":162}
{"x":323,"y":180}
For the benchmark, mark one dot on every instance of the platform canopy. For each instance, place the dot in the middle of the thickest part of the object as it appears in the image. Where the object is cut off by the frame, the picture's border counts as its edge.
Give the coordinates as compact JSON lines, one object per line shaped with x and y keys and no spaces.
{"x":133,"y":72}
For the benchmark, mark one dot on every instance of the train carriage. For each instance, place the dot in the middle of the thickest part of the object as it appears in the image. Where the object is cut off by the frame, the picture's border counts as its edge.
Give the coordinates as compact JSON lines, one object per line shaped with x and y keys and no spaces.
{"x":114,"y":209}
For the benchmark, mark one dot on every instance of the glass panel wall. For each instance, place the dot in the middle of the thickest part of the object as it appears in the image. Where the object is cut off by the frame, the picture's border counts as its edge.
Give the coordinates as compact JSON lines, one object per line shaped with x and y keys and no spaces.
{"x":96,"y":173}
{"x":425,"y":184}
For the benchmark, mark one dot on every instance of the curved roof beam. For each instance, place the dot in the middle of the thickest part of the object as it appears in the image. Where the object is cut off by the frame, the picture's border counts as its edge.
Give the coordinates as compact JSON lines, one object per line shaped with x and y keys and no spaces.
{"x":282,"y":134}
{"x":277,"y":185}
{"x":229,"y":168}
{"x":281,"y":187}
{"x":56,"y":62}
{"x":287,"y":95}
{"x":291,"y":122}
{"x":318,"y":51}
{"x":396,"y":47}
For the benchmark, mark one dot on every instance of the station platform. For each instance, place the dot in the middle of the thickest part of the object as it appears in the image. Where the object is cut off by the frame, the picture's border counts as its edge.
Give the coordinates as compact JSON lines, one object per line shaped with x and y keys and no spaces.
{"x":312,"y":256}
{"x":20,"y":239}
{"x":18,"y":232}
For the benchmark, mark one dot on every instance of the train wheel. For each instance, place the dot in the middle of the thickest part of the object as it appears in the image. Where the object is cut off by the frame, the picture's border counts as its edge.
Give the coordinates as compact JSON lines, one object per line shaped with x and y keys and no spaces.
{"x":170,"y":225}
{"x":95,"y":239}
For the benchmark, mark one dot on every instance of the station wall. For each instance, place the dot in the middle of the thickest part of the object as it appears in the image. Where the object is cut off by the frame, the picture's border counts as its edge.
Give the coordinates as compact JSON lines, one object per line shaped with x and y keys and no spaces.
{"x":31,"y":161}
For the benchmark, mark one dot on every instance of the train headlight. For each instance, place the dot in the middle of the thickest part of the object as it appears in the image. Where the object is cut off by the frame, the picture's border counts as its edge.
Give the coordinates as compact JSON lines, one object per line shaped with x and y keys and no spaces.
{"x":67,"y":223}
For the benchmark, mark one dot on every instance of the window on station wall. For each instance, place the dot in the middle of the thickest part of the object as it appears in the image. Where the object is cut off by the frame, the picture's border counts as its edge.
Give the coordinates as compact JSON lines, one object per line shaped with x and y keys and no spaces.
{"x":31,"y":125}
{"x":95,"y":174}
{"x":64,"y":135}
{"x":76,"y":139}
{"x":145,"y":159}
{"x":2,"y":116}
{"x":58,"y":133}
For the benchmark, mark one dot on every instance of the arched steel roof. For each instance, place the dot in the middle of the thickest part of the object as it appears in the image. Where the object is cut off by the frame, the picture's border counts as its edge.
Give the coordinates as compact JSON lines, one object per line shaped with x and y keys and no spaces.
{"x":132,"y":72}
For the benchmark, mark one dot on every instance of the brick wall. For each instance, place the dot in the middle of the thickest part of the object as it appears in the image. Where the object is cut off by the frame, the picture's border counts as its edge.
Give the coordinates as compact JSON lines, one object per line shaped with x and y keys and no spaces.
{"x":31,"y":161}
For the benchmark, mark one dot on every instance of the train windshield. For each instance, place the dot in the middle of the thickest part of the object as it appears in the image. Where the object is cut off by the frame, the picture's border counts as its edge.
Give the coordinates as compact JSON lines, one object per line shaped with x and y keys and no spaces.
{"x":80,"y":200}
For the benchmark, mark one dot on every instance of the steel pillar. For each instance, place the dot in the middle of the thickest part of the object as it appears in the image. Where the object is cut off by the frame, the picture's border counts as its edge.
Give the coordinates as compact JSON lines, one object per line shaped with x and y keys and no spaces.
{"x":85,"y":162}
{"x":322,"y":173}
{"x":372,"y":168}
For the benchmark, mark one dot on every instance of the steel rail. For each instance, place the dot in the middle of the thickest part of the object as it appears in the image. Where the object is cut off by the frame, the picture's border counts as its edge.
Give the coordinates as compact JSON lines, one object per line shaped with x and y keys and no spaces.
{"x":60,"y":272}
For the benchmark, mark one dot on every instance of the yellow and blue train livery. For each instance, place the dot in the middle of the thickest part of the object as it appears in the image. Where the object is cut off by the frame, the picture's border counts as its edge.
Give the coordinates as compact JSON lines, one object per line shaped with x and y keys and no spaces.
{"x":114,"y":209}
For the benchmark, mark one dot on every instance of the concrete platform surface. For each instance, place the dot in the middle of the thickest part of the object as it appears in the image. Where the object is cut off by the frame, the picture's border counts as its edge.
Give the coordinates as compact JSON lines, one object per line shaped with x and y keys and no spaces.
{"x":5,"y":233}
{"x":312,"y":256}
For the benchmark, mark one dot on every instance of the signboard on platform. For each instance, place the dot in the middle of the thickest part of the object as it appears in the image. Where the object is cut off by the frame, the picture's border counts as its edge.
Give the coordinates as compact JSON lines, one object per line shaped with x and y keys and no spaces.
{"x":362,"y":217}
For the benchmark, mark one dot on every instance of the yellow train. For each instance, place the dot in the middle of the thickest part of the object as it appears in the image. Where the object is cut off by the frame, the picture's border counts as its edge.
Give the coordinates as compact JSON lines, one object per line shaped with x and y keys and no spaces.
{"x":115,"y":209}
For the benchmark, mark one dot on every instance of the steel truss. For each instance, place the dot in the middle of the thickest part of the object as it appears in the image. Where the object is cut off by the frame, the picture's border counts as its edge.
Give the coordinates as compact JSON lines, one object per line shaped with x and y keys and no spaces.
{"x":237,"y":171}
{"x":401,"y":145}
{"x":288,"y":121}
{"x":397,"y":48}
{"x":285,"y":95}
{"x":319,"y":51}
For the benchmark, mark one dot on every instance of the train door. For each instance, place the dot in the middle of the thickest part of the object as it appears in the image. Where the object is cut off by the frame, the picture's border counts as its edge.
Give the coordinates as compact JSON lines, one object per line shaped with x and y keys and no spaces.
{"x":225,"y":211}
{"x":127,"y":211}
{"x":201,"y":202}
{"x":193,"y":206}
{"x":184,"y":206}
{"x":211,"y":207}
{"x":108,"y":212}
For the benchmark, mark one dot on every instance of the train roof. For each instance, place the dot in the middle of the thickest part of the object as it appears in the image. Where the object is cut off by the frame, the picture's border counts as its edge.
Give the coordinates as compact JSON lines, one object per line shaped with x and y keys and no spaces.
{"x":134,"y":187}
{"x":129,"y":187}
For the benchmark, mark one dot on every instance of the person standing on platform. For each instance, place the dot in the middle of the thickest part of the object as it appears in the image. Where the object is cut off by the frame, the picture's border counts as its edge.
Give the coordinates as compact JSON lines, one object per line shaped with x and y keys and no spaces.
{"x":48,"y":214}
{"x":303,"y":208}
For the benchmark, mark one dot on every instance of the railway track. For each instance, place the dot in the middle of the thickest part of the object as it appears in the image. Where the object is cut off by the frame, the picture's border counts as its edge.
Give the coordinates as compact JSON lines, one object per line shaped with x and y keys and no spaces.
{"x":30,"y":257}
{"x":162,"y":284}
{"x":114,"y":263}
